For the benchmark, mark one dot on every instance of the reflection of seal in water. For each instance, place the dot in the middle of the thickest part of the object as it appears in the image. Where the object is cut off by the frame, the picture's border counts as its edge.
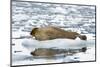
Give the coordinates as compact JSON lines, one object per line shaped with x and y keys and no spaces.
{"x":43,"y":52}
{"x":52,"y":52}
{"x":47,"y":52}
{"x":48,"y":33}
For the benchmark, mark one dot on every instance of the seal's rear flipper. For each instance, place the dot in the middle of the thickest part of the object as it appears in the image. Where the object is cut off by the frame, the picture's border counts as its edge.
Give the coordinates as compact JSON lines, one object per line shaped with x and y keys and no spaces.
{"x":84,"y":49}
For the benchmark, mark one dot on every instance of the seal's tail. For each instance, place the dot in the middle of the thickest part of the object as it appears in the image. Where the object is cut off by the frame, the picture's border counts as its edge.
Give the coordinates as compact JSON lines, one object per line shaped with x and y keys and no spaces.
{"x":82,"y":37}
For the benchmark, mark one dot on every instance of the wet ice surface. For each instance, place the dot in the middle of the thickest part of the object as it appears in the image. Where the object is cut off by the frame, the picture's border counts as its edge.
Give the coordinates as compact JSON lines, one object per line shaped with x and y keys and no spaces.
{"x":21,"y":54}
{"x":26,"y":15}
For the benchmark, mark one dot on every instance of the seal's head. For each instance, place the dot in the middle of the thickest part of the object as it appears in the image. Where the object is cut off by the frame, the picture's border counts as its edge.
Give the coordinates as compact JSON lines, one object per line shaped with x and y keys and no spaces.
{"x":33,"y":31}
{"x":32,"y":53}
